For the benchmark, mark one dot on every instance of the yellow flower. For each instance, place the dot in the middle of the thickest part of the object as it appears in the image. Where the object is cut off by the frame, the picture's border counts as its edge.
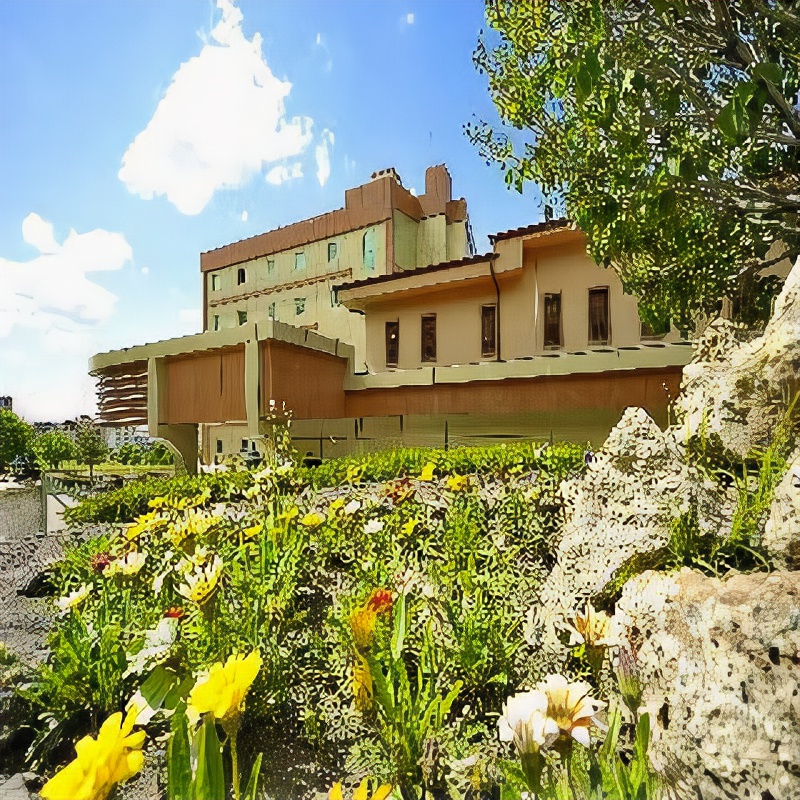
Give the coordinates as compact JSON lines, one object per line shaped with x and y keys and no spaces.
{"x":74,"y":599}
{"x":289,"y":514}
{"x":455,"y":483}
{"x":144,"y":523}
{"x":200,"y":583}
{"x":312,"y":520}
{"x":593,"y":629}
{"x":427,"y":472}
{"x":407,"y":528}
{"x":570,"y":706}
{"x":101,"y":763}
{"x":128,"y":565}
{"x":222,"y":692}
{"x":335,"y":506}
{"x":362,"y":684}
{"x":362,"y":624}
{"x":362,"y":792}
{"x":253,"y":530}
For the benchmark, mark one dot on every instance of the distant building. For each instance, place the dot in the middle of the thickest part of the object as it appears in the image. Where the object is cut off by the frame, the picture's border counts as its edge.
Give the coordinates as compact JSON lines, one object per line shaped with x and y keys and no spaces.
{"x":377,"y":323}
{"x":7,"y":403}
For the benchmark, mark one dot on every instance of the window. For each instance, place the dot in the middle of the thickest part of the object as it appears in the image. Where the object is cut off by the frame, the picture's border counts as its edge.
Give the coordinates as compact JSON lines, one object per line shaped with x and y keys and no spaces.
{"x":214,"y":282}
{"x":368,"y":249}
{"x":333,"y":251}
{"x":242,"y":317}
{"x":271,"y":311}
{"x":552,"y":321}
{"x":488,"y":331}
{"x":244,"y":446}
{"x":300,"y":260}
{"x":598,"y":316}
{"x":392,"y":343}
{"x":299,"y":305}
{"x":270,"y":265}
{"x":219,"y":445}
{"x":215,"y":325}
{"x":241,"y":276}
{"x":428,"y":337}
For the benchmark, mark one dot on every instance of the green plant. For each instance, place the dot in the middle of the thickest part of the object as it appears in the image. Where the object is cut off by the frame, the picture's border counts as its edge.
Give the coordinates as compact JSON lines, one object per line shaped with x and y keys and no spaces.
{"x":90,"y":446}
{"x":16,"y":437}
{"x":52,"y":448}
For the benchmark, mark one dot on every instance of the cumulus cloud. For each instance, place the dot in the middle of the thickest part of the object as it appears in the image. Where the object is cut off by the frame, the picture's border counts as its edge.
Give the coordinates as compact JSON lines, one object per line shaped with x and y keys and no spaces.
{"x":409,"y":19}
{"x":221,"y":120}
{"x":245,"y":215}
{"x":323,"y":156}
{"x":282,"y":173}
{"x":52,"y":291}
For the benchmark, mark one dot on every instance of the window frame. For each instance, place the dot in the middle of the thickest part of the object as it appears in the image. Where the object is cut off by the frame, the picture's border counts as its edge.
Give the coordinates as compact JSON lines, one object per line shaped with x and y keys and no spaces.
{"x":334,"y":251}
{"x":598,"y":342}
{"x":270,"y":266}
{"x":241,"y":276}
{"x":396,"y":345}
{"x":299,"y":306}
{"x":215,"y":282}
{"x":430,"y":358}
{"x":550,"y":345}
{"x":241,"y":315}
{"x":300,"y":260}
{"x":486,"y":351}
{"x":215,"y":322}
{"x":271,"y":310}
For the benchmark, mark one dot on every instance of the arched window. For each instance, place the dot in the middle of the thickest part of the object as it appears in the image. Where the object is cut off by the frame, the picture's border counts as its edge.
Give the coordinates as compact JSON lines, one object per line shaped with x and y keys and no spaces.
{"x":241,"y":276}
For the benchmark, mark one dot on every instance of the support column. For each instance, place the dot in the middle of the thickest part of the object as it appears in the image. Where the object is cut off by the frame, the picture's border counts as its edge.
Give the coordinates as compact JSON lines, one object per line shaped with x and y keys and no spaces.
{"x":252,"y":383}
{"x":181,"y":441}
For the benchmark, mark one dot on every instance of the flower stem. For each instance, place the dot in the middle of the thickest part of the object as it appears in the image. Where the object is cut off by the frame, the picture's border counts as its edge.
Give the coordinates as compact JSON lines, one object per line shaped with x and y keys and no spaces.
{"x":235,"y":765}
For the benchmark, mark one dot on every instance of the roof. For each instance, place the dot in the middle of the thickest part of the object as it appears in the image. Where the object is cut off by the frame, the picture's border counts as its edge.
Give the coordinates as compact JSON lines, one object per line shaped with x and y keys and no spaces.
{"x":461,"y":262}
{"x":537,"y":227}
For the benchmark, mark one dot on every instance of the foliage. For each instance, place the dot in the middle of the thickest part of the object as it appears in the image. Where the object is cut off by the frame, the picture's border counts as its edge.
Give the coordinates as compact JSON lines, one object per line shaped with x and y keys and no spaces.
{"x":155,"y":454}
{"x":90,"y":446}
{"x":667,"y":131}
{"x":16,"y":437}
{"x":53,"y":447}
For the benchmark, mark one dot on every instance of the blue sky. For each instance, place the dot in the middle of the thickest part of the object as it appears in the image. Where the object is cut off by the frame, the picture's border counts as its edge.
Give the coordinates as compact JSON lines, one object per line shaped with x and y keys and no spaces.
{"x":137,"y":134}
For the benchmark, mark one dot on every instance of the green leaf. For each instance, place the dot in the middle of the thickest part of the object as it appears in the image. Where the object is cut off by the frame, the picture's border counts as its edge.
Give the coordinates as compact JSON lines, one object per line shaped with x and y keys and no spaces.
{"x":209,"y":778}
{"x":399,"y":633}
{"x":158,"y":685}
{"x":252,"y":783}
{"x":583,"y":85}
{"x":729,"y":120}
{"x":768,"y":71}
{"x":179,"y":767}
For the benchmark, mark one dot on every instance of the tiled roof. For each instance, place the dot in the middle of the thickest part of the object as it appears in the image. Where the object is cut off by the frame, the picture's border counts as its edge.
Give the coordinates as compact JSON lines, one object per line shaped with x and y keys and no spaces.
{"x":537,"y":227}
{"x":461,"y":262}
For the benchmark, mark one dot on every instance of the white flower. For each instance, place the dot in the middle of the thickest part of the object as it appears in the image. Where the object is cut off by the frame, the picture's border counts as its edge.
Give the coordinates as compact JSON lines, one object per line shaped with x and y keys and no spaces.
{"x":128,"y":565}
{"x":373,"y":526}
{"x":352,"y":507}
{"x":144,"y":712}
{"x":525,"y":722}
{"x":570,"y":706}
{"x":74,"y":599}
{"x":157,"y":644}
{"x":200,"y":583}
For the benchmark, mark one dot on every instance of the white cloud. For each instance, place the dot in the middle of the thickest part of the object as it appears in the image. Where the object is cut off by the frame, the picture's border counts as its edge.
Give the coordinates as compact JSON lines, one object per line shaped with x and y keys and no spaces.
{"x":221,"y":120}
{"x":145,"y":270}
{"x":52,"y":293}
{"x":323,"y":156}
{"x":244,"y":215}
{"x":409,"y":19}
{"x":282,"y":173}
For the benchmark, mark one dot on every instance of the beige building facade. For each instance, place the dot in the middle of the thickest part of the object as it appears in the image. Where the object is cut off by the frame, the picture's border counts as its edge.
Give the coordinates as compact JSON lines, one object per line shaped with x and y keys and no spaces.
{"x":376,"y":324}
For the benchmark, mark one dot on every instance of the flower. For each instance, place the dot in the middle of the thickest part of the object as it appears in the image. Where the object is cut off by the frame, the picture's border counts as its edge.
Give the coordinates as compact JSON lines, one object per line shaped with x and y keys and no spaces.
{"x":427,"y":472}
{"x":128,"y":565}
{"x":593,"y":629}
{"x":380,"y":601}
{"x":199,"y":584}
{"x":74,"y":599}
{"x":362,"y":624}
{"x":362,"y":792}
{"x":407,"y":528}
{"x":455,"y":483}
{"x":289,"y":514}
{"x":144,"y":524}
{"x":373,"y":526}
{"x":335,"y":506}
{"x":223,"y":690}
{"x":351,"y":507}
{"x":570,"y":706}
{"x":253,"y":530}
{"x":525,"y":722}
{"x":174,"y":612}
{"x":156,"y":647}
{"x":312,"y":519}
{"x":362,"y":684}
{"x":99,"y":561}
{"x":630,"y":685}
{"x":101,"y":763}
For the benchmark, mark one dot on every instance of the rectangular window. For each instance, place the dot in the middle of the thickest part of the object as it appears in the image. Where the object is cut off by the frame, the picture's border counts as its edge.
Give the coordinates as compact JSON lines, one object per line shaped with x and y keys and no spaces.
{"x":552,"y":320}
{"x":368,"y":249}
{"x":214,"y":282}
{"x":299,"y":305}
{"x":270,"y":265}
{"x":392,"y":343}
{"x":271,"y":312}
{"x":244,"y":446}
{"x":300,"y":260}
{"x":488,"y":331}
{"x":219,"y":445}
{"x":428,"y":337}
{"x":333,"y":251}
{"x":598,"y":316}
{"x":216,"y":322}
{"x":242,"y":317}
{"x":241,"y":276}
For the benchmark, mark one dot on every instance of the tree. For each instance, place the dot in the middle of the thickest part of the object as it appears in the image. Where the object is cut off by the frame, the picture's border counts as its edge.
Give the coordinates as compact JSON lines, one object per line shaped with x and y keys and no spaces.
{"x":90,"y":445}
{"x":52,"y":448}
{"x":16,"y":437}
{"x":668,"y":131}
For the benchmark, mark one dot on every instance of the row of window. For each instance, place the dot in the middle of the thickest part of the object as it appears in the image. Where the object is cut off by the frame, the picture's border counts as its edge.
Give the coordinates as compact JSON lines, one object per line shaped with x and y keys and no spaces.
{"x":368,"y":256}
{"x":299,"y":308}
{"x":599,"y":327}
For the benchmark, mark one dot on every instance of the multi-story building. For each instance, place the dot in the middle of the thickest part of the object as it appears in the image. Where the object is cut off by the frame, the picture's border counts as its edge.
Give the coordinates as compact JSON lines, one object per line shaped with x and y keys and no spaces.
{"x":377,"y":323}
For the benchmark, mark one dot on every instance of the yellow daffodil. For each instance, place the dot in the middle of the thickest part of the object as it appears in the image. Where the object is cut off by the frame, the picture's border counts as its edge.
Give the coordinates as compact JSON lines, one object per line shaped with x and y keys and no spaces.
{"x":571,"y":707}
{"x":222,"y":691}
{"x":200,"y":583}
{"x":312,"y":520}
{"x":362,"y":792}
{"x":427,"y":472}
{"x":74,"y":599}
{"x":455,"y":483}
{"x":362,"y":684}
{"x":362,"y":625}
{"x":101,"y":763}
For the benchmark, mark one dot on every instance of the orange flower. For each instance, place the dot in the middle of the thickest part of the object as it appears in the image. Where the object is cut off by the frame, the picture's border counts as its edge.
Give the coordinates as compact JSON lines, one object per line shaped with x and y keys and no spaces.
{"x":380,"y":601}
